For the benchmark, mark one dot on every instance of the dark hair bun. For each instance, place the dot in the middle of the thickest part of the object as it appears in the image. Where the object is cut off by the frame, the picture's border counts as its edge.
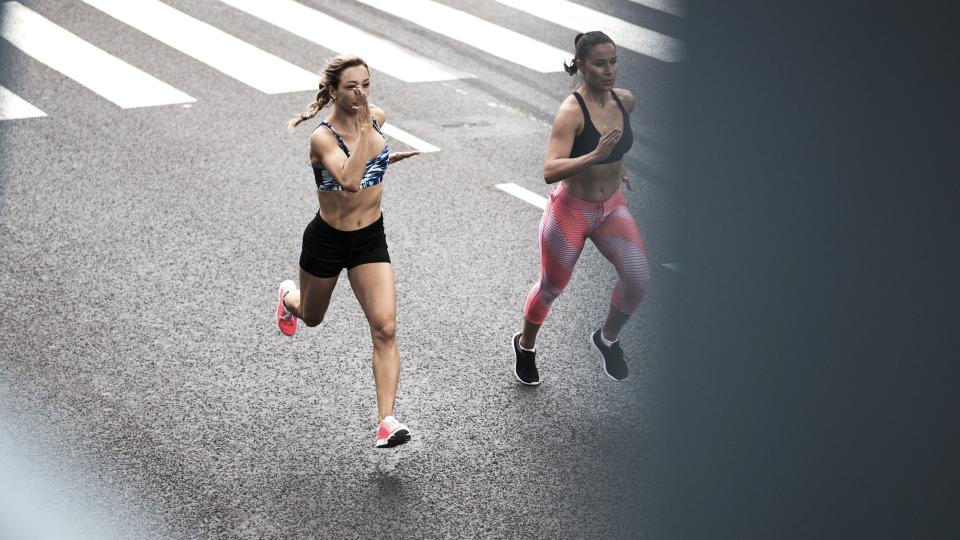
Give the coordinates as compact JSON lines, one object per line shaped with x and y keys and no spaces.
{"x":576,"y":40}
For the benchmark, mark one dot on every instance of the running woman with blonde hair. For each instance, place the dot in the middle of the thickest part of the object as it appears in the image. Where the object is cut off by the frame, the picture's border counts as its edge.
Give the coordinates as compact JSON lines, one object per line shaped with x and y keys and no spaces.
{"x":349,"y":157}
{"x":590,"y":135}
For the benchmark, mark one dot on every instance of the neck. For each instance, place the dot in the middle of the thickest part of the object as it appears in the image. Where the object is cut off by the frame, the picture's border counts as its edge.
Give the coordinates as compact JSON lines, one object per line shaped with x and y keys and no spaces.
{"x":601,"y":96}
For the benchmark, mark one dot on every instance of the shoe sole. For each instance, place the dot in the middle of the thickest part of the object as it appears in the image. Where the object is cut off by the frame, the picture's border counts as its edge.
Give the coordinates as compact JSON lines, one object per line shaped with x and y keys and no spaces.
{"x":603,"y":362}
{"x":396,"y":438}
{"x":276,"y":320}
{"x":515,"y":374}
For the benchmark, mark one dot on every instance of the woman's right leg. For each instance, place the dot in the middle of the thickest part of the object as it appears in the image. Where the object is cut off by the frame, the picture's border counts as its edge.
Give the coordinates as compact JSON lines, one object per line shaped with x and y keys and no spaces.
{"x":563,"y":233}
{"x":309,"y":303}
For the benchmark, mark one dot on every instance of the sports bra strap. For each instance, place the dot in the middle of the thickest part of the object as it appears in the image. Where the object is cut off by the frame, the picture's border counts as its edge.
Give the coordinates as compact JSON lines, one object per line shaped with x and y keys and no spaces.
{"x":619,"y":103}
{"x":583,"y":106}
{"x":343,"y":146}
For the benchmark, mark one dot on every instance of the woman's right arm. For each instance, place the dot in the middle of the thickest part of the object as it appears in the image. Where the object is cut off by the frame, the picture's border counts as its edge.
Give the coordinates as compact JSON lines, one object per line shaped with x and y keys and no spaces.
{"x":346,"y":171}
{"x":558,"y":164}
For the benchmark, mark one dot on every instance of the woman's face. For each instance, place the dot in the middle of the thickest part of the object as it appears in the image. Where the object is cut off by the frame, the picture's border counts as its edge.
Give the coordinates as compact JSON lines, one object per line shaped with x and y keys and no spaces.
{"x":350,"y":78}
{"x":600,"y":67}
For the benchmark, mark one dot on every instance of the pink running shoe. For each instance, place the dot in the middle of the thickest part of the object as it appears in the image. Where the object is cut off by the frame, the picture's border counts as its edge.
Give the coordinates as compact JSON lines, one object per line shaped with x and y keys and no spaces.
{"x":391,"y":432}
{"x":286,"y":320}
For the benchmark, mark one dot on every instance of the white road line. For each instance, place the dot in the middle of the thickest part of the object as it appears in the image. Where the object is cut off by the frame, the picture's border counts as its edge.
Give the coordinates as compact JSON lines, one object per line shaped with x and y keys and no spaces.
{"x":417,"y":143}
{"x":583,"y":19}
{"x":13,"y":106}
{"x":673,"y":7}
{"x":672,"y":266}
{"x":476,"y":32}
{"x":379,"y":53}
{"x":94,"y":68}
{"x":210,"y":45}
{"x":523,"y":194}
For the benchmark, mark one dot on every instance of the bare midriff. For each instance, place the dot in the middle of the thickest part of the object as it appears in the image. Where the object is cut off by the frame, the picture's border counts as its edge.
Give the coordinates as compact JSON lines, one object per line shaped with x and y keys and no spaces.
{"x":595,"y":184}
{"x":348,"y":211}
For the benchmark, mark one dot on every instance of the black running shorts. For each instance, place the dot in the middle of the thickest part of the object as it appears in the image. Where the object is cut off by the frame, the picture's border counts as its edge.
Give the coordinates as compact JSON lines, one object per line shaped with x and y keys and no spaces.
{"x":326,"y":251}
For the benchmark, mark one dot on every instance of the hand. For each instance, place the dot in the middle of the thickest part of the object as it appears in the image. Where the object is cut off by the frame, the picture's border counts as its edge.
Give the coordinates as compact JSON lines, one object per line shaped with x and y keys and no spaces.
{"x":625,"y":178}
{"x":397,"y":156}
{"x":607,"y":141}
{"x":362,"y":107}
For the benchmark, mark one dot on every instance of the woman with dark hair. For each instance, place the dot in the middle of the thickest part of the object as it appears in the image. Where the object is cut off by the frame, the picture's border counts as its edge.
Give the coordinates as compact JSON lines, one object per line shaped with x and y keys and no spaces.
{"x":349,"y":157}
{"x":590,"y":135}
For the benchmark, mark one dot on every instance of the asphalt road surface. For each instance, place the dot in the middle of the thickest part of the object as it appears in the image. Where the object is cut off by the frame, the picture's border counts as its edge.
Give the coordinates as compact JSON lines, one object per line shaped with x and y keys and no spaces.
{"x":145,"y":391}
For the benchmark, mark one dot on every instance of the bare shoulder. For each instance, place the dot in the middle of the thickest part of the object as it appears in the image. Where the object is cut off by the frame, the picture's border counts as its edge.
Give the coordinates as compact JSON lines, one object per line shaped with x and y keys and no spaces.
{"x":626,"y":96}
{"x":378,"y":114}
{"x":569,"y":113}
{"x":322,"y":140}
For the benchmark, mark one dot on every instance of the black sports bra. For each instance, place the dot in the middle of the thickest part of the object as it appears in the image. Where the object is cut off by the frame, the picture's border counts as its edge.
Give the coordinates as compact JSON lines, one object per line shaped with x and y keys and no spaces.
{"x":586,"y":141}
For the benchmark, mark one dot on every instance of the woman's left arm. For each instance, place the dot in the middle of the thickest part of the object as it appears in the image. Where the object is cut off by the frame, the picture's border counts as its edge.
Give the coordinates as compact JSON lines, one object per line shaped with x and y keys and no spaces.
{"x":629,"y":102}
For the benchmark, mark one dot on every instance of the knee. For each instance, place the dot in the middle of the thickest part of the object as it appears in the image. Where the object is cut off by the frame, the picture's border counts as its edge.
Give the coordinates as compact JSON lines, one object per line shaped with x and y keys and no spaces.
{"x":636,"y":276}
{"x":312,"y":321}
{"x":632,"y":286}
{"x":636,"y":289}
{"x":638,"y":281}
{"x":383,"y":332}
{"x":551,"y":290}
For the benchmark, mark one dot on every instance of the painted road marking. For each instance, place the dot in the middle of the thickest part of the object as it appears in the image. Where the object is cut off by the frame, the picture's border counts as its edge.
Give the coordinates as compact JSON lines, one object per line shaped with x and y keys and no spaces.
{"x":523,"y":194}
{"x":13,"y":106}
{"x":210,"y":45}
{"x":94,"y":68}
{"x":583,"y":19}
{"x":407,"y":138}
{"x":379,"y":53}
{"x":476,"y":32}
{"x":673,"y":7}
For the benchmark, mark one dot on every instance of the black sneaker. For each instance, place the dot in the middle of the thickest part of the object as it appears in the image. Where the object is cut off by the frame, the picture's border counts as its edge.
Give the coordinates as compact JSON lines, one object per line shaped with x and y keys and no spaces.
{"x":526,"y":368}
{"x":613,"y":363}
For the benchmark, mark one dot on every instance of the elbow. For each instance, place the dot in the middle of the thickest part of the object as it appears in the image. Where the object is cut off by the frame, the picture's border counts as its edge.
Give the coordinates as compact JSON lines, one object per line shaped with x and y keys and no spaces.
{"x":349,"y":185}
{"x":550,"y":176}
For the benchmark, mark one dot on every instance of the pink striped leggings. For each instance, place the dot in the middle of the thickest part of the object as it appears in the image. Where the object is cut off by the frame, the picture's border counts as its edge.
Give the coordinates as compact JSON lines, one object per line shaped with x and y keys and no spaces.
{"x":566,"y":224}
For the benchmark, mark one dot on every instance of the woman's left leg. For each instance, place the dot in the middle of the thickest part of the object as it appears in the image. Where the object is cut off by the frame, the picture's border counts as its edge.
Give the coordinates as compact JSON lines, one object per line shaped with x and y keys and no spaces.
{"x":374,"y":286}
{"x":619,"y":240}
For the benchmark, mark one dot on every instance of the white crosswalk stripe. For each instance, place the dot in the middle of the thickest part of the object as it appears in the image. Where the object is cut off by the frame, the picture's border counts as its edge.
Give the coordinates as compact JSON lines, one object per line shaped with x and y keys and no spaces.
{"x":210,"y":45}
{"x":673,"y":7}
{"x":101,"y":72}
{"x":411,"y":140}
{"x":128,"y":86}
{"x":583,"y":19}
{"x":379,"y":53}
{"x":523,"y":194}
{"x":13,"y":106}
{"x":476,"y":32}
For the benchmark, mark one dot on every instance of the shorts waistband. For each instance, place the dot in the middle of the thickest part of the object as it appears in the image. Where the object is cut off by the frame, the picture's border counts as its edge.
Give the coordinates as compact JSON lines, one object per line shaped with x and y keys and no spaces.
{"x":376,"y":226}
{"x":564,"y":197}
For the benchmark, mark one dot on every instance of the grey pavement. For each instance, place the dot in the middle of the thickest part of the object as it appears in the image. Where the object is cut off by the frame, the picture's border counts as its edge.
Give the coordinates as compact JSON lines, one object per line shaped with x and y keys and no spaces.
{"x":144,"y":389}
